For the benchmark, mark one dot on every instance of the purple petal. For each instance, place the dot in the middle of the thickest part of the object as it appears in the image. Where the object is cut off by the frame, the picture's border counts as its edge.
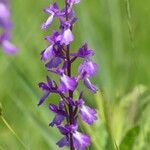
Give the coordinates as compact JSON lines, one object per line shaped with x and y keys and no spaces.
{"x":49,"y":21}
{"x":63,"y":130}
{"x":4,"y":11}
{"x":79,"y":103}
{"x":81,"y":140}
{"x":87,"y":68}
{"x":9,"y":47}
{"x":54,"y":63}
{"x":88,"y":114}
{"x":63,"y":142}
{"x":89,"y":85}
{"x":53,"y":108}
{"x":71,"y":101}
{"x":76,"y":1}
{"x":43,"y":98}
{"x":61,"y":104}
{"x":57,"y":120}
{"x":73,"y":1}
{"x":67,"y":37}
{"x":69,"y":82}
{"x":62,"y":88}
{"x":49,"y":81}
{"x":53,"y":8}
{"x":84,"y":52}
{"x":44,"y":86}
{"x":47,"y":53}
{"x":54,"y":38}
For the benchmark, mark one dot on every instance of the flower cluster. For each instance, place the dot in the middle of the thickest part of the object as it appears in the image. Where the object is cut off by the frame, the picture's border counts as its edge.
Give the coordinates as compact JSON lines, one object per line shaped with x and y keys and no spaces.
{"x":59,"y":59}
{"x":5,"y":28}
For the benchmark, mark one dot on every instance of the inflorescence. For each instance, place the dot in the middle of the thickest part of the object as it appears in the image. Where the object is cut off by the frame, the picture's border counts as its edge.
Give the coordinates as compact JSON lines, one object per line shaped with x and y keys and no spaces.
{"x":59,"y":59}
{"x":5,"y":28}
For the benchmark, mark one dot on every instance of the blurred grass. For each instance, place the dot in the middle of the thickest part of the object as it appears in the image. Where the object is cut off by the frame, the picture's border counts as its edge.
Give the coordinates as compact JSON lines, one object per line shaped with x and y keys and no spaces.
{"x":119,"y":32}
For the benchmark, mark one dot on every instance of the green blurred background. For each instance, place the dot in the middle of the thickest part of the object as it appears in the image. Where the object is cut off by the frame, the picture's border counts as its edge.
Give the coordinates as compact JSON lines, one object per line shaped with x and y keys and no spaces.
{"x":118,"y":30}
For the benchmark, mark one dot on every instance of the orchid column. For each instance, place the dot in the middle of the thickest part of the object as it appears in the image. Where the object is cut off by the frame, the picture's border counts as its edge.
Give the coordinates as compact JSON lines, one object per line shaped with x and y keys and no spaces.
{"x":59,"y":59}
{"x":5,"y":28}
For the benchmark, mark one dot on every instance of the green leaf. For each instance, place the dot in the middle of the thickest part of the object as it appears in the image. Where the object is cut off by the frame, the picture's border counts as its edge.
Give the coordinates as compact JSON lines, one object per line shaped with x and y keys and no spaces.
{"x":13,"y":132}
{"x":129,"y":139}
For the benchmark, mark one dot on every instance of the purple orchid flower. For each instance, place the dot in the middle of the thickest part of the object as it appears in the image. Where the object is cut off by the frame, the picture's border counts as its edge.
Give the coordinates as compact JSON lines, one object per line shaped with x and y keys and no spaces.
{"x":5,"y":26}
{"x":67,"y":83}
{"x":87,"y":69}
{"x":53,"y":11}
{"x":84,"y":52}
{"x":60,"y":113}
{"x":58,"y":59}
{"x":88,"y":114}
{"x":47,"y":88}
{"x":80,"y":140}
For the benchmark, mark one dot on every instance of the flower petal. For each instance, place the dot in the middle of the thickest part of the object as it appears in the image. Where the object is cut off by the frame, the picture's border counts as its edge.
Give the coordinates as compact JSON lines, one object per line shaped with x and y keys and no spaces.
{"x":48,"y":22}
{"x":63,"y":130}
{"x":53,"y":108}
{"x":44,"y":86}
{"x":43,"y":98}
{"x":88,"y":114}
{"x":69,"y":82}
{"x":87,"y":69}
{"x":4,"y":11}
{"x":9,"y":47}
{"x":49,"y":81}
{"x":67,"y":37}
{"x":54,"y":63}
{"x":62,"y":88}
{"x":89,"y":85}
{"x":63,"y":142}
{"x":81,"y":140}
{"x":84,"y":52}
{"x":57,"y":120}
{"x":47,"y":53}
{"x":73,"y":1}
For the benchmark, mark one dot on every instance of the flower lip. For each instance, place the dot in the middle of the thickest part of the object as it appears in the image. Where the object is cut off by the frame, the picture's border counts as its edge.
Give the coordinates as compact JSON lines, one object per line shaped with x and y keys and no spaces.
{"x":4,"y":11}
{"x":88,"y":114}
{"x":47,"y":53}
{"x":67,"y":37}
{"x":9,"y":47}
{"x":81,"y":140}
{"x":87,"y":68}
{"x":67,"y":83}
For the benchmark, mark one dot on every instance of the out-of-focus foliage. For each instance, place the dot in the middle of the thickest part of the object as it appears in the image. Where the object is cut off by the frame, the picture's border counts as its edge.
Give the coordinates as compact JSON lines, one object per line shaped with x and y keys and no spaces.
{"x":119,"y":32}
